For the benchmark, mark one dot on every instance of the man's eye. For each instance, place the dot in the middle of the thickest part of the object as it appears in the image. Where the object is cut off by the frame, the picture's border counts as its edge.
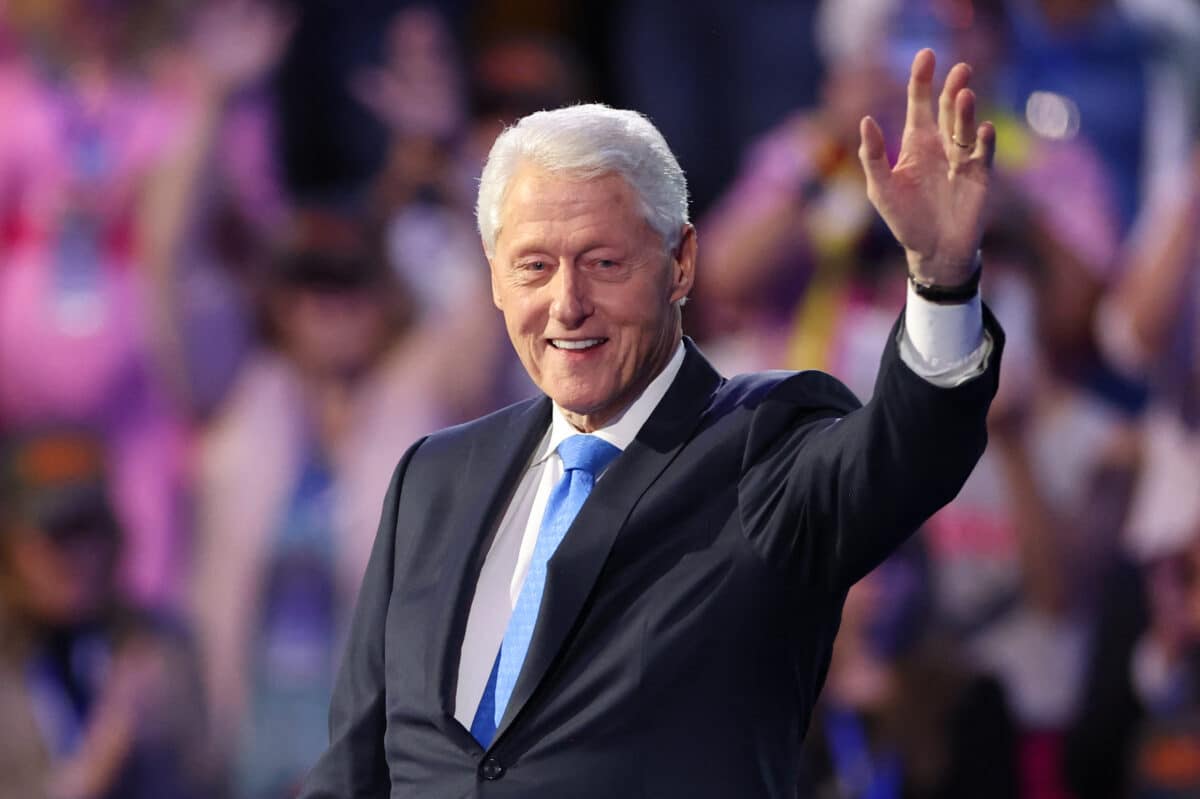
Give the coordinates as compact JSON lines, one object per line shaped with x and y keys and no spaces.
{"x":534,"y":266}
{"x":605,"y":263}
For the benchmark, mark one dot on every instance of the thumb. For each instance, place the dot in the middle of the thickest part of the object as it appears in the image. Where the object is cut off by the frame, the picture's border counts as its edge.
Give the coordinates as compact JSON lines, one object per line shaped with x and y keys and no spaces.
{"x":873,"y":155}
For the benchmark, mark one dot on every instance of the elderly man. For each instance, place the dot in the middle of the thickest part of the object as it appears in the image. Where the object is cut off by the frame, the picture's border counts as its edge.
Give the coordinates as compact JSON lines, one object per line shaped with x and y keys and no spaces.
{"x":630,"y":586}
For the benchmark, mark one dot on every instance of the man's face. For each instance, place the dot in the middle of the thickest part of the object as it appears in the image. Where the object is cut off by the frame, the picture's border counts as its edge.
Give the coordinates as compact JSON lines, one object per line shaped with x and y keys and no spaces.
{"x":587,"y":290}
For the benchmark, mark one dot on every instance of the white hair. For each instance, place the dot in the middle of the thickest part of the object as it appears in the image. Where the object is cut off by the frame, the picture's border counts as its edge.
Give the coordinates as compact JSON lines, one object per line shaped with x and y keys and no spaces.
{"x":588,"y":141}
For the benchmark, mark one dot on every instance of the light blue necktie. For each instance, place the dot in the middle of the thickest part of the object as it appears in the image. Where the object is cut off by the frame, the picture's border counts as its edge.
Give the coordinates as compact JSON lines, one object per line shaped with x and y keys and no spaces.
{"x":584,"y":458}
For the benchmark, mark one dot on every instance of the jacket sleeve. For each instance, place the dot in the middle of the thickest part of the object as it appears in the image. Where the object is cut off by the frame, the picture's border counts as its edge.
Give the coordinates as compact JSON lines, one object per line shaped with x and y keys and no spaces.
{"x":830,"y":489}
{"x":355,"y":766}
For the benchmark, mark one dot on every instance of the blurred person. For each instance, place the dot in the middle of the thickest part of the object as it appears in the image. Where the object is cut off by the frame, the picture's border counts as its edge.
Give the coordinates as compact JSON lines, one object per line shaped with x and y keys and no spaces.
{"x":359,"y":351}
{"x":331,"y":144}
{"x":1164,"y":761}
{"x":1104,"y":62}
{"x":786,"y":235}
{"x":1171,"y":30}
{"x":92,"y":122}
{"x":1138,"y":733}
{"x":419,"y":92}
{"x":82,"y":133}
{"x":292,"y":470}
{"x":213,"y":195}
{"x":904,"y":714}
{"x":422,"y":195}
{"x":1147,"y":327}
{"x":97,"y":699}
{"x":1024,"y":552}
{"x":1140,"y":685}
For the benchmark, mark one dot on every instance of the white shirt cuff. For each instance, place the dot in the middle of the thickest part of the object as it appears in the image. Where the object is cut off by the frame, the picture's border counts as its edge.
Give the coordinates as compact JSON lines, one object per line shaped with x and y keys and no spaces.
{"x":944,"y":344}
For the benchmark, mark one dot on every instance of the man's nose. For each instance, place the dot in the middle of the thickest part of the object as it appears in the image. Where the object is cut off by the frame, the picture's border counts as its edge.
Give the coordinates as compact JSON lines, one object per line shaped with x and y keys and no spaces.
{"x":571,"y":303}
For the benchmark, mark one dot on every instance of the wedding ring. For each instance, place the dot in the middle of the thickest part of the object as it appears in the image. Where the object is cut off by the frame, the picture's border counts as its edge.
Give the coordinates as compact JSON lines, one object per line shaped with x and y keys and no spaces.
{"x":961,"y":144}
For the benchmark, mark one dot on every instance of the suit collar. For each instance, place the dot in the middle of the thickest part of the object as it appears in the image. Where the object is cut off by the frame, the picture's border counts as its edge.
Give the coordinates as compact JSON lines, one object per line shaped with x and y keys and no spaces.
{"x":574,"y":568}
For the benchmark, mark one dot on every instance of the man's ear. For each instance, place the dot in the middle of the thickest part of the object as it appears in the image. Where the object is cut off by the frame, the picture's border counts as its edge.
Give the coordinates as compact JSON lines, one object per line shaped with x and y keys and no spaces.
{"x":683,"y":264}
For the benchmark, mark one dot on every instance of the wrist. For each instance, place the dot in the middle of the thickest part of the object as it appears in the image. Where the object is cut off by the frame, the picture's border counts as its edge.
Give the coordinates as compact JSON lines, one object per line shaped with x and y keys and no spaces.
{"x":946,"y":291}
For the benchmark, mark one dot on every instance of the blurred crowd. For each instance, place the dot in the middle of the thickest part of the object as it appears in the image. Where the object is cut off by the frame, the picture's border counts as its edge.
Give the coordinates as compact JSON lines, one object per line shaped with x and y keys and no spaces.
{"x":239,"y":275}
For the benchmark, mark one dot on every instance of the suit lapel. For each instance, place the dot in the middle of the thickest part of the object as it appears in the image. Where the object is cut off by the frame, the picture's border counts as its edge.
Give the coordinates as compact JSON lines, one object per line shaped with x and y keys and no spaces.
{"x":572,"y":571}
{"x":488,"y":476}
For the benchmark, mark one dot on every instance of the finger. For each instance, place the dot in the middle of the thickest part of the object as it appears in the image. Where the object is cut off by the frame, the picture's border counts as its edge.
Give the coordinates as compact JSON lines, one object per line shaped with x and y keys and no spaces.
{"x":873,"y":155}
{"x":920,"y":91}
{"x":963,"y":139}
{"x":985,"y":144}
{"x":956,"y":81}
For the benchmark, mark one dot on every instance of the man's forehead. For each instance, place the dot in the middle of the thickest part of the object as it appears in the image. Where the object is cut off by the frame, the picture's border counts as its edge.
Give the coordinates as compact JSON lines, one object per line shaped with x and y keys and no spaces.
{"x":541,"y":195}
{"x":533,"y":183}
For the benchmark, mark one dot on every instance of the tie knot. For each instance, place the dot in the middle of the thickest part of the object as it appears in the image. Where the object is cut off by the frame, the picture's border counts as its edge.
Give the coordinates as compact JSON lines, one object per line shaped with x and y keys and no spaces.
{"x":587,"y":453}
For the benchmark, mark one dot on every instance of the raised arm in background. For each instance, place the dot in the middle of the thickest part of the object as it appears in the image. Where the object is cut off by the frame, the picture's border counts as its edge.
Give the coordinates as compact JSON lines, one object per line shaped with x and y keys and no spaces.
{"x":232,"y":45}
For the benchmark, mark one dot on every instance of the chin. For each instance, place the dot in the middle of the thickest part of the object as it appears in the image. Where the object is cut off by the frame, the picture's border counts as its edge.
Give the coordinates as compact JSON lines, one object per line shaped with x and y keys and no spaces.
{"x":577,"y":402}
{"x":574,"y":404}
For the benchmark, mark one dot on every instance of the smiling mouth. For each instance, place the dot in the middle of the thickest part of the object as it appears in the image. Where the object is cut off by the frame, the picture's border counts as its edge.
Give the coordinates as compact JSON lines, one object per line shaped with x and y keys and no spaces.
{"x":576,"y":345}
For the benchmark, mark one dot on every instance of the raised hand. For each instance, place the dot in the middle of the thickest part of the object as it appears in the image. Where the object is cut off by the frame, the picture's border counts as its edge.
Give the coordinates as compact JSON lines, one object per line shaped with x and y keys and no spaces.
{"x":419,"y":90}
{"x":236,"y":42}
{"x":933,"y":198}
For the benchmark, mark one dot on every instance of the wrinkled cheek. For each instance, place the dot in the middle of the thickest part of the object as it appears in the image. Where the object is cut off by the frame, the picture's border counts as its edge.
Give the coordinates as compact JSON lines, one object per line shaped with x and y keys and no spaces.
{"x":527,"y":350}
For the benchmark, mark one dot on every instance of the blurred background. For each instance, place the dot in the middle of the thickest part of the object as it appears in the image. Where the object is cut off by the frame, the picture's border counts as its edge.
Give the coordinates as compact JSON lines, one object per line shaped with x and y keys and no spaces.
{"x":239,"y":275}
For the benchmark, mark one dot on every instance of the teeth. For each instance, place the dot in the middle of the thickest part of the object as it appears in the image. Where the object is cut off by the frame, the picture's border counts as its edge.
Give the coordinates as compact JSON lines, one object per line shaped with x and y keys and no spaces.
{"x":564,"y":344}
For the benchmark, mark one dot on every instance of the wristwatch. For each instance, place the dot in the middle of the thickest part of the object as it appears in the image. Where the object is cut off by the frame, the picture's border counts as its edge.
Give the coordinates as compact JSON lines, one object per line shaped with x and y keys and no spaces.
{"x":950,"y":295}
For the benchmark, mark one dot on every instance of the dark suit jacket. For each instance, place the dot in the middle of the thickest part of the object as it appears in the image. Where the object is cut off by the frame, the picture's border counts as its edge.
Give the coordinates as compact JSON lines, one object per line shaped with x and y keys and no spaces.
{"x":688,"y":615}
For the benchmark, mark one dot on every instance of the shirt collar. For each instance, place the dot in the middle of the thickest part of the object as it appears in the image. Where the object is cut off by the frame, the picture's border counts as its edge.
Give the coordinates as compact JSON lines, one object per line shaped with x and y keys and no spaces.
{"x":621,"y":431}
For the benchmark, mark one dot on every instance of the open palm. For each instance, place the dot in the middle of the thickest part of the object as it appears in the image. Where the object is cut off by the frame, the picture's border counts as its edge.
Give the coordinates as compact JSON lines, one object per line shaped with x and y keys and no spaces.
{"x":933,"y":198}
{"x":237,"y":41}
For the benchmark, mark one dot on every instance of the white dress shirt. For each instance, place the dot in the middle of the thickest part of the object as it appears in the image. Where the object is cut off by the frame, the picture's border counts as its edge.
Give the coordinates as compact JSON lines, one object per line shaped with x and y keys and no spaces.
{"x":945,"y":344}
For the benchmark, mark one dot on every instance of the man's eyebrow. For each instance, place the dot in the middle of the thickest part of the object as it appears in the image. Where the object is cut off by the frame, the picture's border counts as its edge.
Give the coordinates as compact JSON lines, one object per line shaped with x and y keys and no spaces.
{"x":536,"y":245}
{"x":526,"y":247}
{"x":599,"y":245}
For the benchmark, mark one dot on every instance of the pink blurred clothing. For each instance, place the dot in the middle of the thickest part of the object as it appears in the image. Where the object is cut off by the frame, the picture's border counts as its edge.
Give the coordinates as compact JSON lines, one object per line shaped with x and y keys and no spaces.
{"x":75,"y":345}
{"x":77,"y":339}
{"x":250,"y":459}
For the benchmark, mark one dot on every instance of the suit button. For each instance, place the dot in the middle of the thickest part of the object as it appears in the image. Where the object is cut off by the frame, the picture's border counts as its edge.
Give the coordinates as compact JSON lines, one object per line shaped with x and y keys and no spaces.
{"x":491,"y":769}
